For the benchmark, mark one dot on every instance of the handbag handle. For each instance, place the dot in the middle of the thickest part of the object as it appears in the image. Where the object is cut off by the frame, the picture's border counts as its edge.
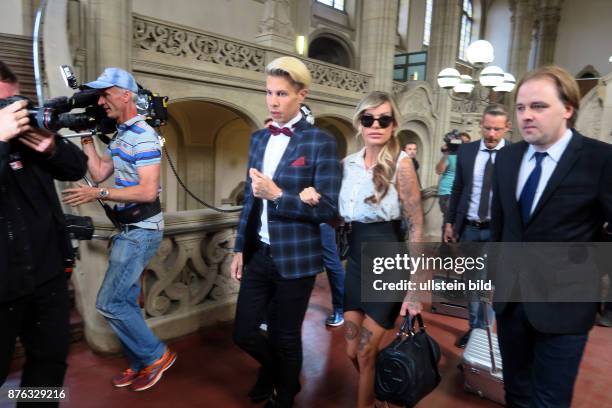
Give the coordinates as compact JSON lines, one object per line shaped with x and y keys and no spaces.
{"x":407,"y":327}
{"x":407,"y":330}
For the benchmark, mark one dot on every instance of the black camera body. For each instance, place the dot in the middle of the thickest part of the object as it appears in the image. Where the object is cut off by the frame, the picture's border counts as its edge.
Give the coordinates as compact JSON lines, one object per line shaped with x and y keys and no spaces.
{"x":452,"y":141}
{"x":56,"y":113}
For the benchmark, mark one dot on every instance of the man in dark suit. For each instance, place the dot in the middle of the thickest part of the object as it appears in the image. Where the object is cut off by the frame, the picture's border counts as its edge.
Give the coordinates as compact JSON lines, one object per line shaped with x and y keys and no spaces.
{"x":278,"y":235}
{"x":34,"y":299}
{"x":469,"y":212}
{"x":555,"y":186}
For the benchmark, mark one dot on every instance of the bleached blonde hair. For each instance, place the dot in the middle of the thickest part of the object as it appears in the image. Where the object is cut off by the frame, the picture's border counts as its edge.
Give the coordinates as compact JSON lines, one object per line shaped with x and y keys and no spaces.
{"x":383,"y":171}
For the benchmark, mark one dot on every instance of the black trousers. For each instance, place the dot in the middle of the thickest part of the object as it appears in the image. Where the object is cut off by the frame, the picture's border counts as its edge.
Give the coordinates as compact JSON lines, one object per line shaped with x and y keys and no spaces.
{"x":539,"y":369}
{"x":263,"y":292}
{"x":41,"y":321}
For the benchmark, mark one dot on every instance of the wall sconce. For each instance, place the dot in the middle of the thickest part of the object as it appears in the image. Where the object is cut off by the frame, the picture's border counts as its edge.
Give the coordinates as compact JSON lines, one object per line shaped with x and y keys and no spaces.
{"x":300,"y":44}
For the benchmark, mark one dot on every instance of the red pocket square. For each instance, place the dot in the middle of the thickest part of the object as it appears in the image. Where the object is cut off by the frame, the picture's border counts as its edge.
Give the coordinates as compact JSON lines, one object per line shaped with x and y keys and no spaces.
{"x":299,"y":162}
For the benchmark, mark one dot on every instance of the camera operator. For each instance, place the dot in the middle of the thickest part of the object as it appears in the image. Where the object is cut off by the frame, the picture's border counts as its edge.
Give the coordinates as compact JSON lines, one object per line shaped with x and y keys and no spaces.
{"x":134,"y":161}
{"x":34,"y":301}
{"x":446,"y":168}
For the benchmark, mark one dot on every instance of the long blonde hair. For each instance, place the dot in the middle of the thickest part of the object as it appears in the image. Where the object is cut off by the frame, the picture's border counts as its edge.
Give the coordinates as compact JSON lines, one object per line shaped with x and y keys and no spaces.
{"x":383,"y":171}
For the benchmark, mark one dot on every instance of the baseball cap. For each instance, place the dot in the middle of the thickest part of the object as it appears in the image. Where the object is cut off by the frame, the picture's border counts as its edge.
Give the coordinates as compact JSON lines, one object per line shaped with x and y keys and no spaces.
{"x":114,"y":77}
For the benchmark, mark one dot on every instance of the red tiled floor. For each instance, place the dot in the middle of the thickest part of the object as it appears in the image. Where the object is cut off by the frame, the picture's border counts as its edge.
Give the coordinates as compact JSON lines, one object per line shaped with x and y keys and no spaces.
{"x":212,"y":372}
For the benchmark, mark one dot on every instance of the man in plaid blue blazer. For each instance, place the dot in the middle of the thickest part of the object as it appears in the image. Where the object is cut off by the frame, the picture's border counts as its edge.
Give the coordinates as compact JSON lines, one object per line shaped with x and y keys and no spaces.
{"x":278,"y":235}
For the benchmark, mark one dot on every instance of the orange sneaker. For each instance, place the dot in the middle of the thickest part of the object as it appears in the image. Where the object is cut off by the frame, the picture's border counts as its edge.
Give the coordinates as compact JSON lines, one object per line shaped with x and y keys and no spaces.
{"x":125,"y":378}
{"x":149,"y":376}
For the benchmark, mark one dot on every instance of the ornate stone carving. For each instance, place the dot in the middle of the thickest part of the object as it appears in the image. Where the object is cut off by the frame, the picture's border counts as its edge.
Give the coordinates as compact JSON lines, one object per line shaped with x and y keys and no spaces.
{"x":177,"y":41}
{"x":418,"y":102}
{"x":398,"y":87}
{"x":338,"y":77}
{"x":187,"y":270}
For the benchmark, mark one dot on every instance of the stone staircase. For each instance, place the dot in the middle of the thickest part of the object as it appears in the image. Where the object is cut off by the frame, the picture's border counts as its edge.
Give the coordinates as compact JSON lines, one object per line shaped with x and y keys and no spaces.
{"x":16,"y":52}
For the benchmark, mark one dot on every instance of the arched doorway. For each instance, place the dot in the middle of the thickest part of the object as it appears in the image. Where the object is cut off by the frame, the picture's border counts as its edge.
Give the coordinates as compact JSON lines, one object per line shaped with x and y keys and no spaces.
{"x":341,"y":130}
{"x":208,"y":143}
{"x":408,"y":136}
{"x":329,"y":48}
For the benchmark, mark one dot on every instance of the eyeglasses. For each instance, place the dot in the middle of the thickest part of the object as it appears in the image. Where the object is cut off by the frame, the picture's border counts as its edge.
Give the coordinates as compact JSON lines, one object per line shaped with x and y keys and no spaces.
{"x":383,"y":120}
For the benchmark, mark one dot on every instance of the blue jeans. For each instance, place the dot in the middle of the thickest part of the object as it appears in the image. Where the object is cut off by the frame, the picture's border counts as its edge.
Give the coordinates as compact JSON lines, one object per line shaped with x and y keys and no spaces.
{"x":476,"y":310}
{"x":118,"y":297}
{"x":331,"y":260}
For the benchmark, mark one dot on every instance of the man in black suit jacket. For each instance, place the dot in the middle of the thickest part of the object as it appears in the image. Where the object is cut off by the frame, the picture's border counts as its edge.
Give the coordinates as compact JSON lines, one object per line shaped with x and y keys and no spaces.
{"x":555,"y":186}
{"x":34,"y":244}
{"x":469,"y":214}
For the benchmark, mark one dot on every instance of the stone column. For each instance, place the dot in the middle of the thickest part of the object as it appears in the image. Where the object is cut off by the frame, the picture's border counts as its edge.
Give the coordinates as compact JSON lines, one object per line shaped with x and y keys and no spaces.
{"x":548,"y":17}
{"x":523,"y":21}
{"x":378,"y":31}
{"x":442,"y":53}
{"x":109,"y":39}
{"x":55,"y":46}
{"x":276,"y":28}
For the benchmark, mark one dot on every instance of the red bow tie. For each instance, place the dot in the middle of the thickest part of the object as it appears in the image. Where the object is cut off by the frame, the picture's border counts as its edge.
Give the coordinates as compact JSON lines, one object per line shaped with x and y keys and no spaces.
{"x":277,"y":131}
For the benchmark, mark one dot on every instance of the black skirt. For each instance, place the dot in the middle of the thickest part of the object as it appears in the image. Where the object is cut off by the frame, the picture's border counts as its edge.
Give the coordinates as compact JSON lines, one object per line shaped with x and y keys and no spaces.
{"x":383,"y":313}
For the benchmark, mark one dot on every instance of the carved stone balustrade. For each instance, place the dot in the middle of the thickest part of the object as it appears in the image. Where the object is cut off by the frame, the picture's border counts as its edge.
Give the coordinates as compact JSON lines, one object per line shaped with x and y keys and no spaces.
{"x":179,"y":41}
{"x":160,"y":37}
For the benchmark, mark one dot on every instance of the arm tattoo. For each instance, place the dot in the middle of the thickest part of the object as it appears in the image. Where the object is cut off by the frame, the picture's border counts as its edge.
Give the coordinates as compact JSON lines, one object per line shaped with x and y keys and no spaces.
{"x":350,"y":330}
{"x":410,"y":197}
{"x":364,"y":338}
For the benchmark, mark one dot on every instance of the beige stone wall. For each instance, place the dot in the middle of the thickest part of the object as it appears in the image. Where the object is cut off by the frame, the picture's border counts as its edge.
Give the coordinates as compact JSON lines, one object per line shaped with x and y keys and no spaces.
{"x":12,"y":18}
{"x":585,"y":36}
{"x":498,"y":31}
{"x":208,"y":15}
{"x":413,"y":16}
{"x":230,"y":157}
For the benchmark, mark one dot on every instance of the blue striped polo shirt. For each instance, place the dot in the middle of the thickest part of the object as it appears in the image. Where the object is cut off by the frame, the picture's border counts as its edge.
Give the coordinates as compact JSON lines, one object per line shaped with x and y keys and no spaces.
{"x":135,"y":145}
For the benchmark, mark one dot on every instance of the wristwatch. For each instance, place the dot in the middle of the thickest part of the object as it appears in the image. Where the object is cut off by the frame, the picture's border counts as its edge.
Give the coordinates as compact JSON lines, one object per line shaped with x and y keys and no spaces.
{"x":277,"y":199}
{"x":103,"y":193}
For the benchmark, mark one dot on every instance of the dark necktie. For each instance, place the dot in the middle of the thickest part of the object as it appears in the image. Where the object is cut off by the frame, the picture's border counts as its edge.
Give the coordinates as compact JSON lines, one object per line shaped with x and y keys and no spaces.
{"x":529,"y":190}
{"x":485,"y":191}
{"x":275,"y":131}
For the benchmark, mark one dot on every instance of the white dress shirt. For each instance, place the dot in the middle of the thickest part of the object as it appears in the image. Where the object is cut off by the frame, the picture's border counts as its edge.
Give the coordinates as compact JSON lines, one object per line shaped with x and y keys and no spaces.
{"x":477,"y":177}
{"x":549,"y":163}
{"x":275,"y":149}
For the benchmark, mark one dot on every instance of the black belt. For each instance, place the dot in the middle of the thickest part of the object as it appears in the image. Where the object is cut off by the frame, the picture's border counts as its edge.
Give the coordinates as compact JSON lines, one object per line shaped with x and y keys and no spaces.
{"x":478,"y":224}
{"x":128,"y":228}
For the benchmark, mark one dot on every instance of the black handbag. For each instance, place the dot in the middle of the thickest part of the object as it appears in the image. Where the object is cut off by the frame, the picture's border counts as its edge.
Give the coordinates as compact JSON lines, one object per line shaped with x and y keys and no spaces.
{"x":407,"y":369}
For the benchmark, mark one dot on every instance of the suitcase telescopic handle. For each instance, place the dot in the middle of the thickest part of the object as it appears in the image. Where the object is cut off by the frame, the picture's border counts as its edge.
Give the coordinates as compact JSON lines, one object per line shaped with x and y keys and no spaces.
{"x":485,"y":302}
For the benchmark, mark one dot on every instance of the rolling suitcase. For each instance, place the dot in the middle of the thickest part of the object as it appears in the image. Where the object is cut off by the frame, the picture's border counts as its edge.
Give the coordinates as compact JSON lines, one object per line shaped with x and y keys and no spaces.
{"x":482,"y":365}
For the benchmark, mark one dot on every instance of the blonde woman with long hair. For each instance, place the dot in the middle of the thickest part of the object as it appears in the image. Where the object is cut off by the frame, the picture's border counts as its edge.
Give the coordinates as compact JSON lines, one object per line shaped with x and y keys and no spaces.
{"x":379,"y":188}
